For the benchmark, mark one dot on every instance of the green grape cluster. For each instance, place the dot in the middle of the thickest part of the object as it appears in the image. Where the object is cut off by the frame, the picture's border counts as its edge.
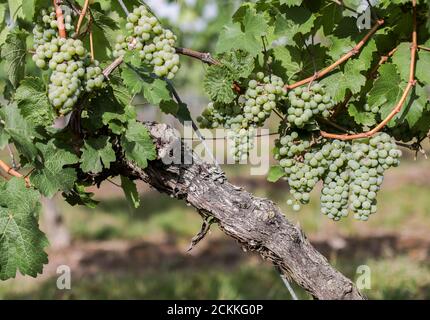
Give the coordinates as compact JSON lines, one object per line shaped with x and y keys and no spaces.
{"x":155,"y":45}
{"x":306,"y":103}
{"x":335,"y":195}
{"x":248,"y":112}
{"x":242,"y":142}
{"x":370,"y":158}
{"x":46,"y":28}
{"x":240,"y":136}
{"x":72,"y":70}
{"x":261,"y":98}
{"x":352,"y":172}
{"x":94,"y":77}
{"x":303,"y":168}
{"x":335,"y":192}
{"x":218,"y":115}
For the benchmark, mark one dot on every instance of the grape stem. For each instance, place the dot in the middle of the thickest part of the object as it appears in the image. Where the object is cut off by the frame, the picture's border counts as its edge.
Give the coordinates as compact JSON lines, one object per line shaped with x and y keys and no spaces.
{"x":202,"y":56}
{"x":411,"y":84}
{"x":354,"y":51}
{"x":60,"y":19}
{"x":82,"y":15}
{"x":424,"y":48}
{"x":10,"y":171}
{"x":92,"y":45}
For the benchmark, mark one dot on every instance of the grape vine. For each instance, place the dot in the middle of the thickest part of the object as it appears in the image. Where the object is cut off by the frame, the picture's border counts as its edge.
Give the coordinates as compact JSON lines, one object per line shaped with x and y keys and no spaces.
{"x":342,"y":99}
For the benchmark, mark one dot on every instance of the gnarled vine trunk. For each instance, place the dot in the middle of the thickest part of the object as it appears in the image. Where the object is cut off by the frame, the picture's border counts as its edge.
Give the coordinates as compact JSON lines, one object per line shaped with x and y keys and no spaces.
{"x":257,"y":224}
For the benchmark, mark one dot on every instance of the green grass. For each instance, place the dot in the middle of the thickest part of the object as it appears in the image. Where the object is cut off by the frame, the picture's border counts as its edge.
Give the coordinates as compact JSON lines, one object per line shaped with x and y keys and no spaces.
{"x":391,"y":278}
{"x":243,"y":282}
{"x":399,"y":278}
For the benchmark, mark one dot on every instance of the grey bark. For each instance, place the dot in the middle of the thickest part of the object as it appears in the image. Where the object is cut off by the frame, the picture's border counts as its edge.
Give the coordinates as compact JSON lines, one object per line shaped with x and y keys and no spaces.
{"x":257,"y":224}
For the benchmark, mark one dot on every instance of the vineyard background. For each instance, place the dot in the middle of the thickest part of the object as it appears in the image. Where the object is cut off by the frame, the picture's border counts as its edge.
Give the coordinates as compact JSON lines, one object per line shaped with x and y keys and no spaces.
{"x":119,"y":252}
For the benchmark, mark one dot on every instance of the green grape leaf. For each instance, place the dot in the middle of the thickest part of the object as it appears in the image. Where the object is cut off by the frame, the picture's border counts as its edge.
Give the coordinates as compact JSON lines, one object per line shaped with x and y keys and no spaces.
{"x":138,"y":145}
{"x":79,"y":196}
{"x":338,"y":46}
{"x":97,"y":154}
{"x":22,"y":243}
{"x":28,"y":9}
{"x":121,"y":93}
{"x":4,"y":138}
{"x":254,"y":23}
{"x":402,"y":60}
{"x":219,"y":79}
{"x":275,"y":173}
{"x":294,"y":21}
{"x":52,"y":176}
{"x":103,"y":25}
{"x":102,"y":20}
{"x":240,"y":63}
{"x":361,"y":116}
{"x":423,"y":67}
{"x":130,"y":191}
{"x":30,"y":93}
{"x":233,"y":38}
{"x":133,"y":58}
{"x":156,"y":91}
{"x":20,"y":131}
{"x":3,"y":9}
{"x":116,"y":121}
{"x":132,"y":81}
{"x":386,"y":91}
{"x":291,"y":3}
{"x":339,"y":83}
{"x":218,"y":84}
{"x":179,"y":110}
{"x":289,"y":60}
{"x":14,"y":52}
{"x":169,"y":107}
{"x":415,"y":106}
{"x":110,"y":109}
{"x":329,"y":16}
{"x":15,"y":9}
